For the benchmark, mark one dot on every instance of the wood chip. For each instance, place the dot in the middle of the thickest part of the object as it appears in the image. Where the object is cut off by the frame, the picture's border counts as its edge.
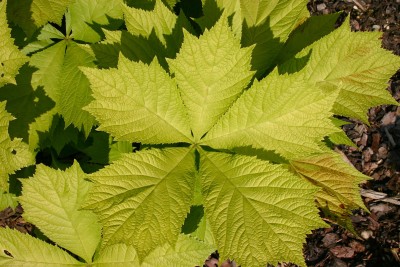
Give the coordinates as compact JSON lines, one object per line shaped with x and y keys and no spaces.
{"x":343,"y":252}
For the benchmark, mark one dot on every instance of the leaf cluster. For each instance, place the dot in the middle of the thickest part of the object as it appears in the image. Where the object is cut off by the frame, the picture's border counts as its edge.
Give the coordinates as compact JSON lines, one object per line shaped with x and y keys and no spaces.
{"x":153,"y":132}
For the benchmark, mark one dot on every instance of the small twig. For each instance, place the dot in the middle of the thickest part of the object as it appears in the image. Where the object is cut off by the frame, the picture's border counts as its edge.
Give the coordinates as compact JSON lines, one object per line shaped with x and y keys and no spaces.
{"x":379,"y":196}
{"x":372,"y":194}
{"x":361,"y":6}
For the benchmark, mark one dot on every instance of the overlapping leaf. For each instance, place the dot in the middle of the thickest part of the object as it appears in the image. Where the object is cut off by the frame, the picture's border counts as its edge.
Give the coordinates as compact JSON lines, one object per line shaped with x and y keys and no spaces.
{"x":11,"y":59}
{"x":211,"y":72}
{"x":22,"y":94}
{"x":67,"y":87}
{"x":14,"y":154}
{"x":259,"y":212}
{"x":26,"y":250}
{"x":267,"y":24}
{"x":86,"y":14}
{"x":138,"y":103}
{"x":49,"y":61}
{"x":263,"y":23}
{"x":161,"y":20}
{"x":74,"y":90}
{"x":160,"y":181}
{"x":117,"y":255}
{"x":185,"y":252}
{"x":51,"y":200}
{"x":44,"y":11}
{"x":338,"y":180}
{"x":355,"y":64}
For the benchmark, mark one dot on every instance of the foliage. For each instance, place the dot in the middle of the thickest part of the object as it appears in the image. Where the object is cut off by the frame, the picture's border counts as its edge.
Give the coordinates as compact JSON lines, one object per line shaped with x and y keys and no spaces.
{"x":159,"y":131}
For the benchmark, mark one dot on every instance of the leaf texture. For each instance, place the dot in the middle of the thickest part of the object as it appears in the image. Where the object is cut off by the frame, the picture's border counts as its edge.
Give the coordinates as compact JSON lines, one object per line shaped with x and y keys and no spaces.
{"x":51,"y":200}
{"x":74,"y":88}
{"x":118,"y":255}
{"x":67,"y":86}
{"x":339,"y":181}
{"x":47,"y":61}
{"x":141,"y":22}
{"x":138,"y":103}
{"x":87,"y":13}
{"x":123,"y":193}
{"x":24,"y":103}
{"x":211,"y":72}
{"x":185,"y":252}
{"x":355,"y":64}
{"x":267,"y":24}
{"x":29,"y":251}
{"x":276,"y":114}
{"x":11,"y":59}
{"x":259,"y":212}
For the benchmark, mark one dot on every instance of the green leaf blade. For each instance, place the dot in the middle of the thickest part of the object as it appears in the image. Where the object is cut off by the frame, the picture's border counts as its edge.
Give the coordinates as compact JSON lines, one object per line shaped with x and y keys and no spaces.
{"x":138,"y":103}
{"x":13,"y":152}
{"x":74,"y":88}
{"x":52,"y":200}
{"x":88,"y":12}
{"x":211,"y":72}
{"x":339,"y":181}
{"x":278,"y":114}
{"x":124,"y":192}
{"x":259,"y":212}
{"x":355,"y":64}
{"x":44,"y":11}
{"x":186,"y":251}
{"x":118,"y":255}
{"x":11,"y":59}
{"x":141,"y":22}
{"x":29,"y":251}
{"x":41,"y":77}
{"x":267,"y":24}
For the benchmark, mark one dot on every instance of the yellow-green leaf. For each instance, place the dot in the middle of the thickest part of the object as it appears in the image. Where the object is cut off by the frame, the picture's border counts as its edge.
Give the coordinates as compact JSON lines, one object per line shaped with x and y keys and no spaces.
{"x":11,"y":59}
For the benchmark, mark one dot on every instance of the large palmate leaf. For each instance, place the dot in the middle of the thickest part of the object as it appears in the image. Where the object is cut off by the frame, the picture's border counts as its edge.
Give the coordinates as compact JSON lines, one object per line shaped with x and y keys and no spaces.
{"x":276,"y":114}
{"x":11,"y":59}
{"x":254,"y":211}
{"x":211,"y":72}
{"x":20,"y":250}
{"x":14,"y":154}
{"x":160,"y":181}
{"x":51,"y":200}
{"x":138,"y":103}
{"x":259,"y":212}
{"x":359,"y":69}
